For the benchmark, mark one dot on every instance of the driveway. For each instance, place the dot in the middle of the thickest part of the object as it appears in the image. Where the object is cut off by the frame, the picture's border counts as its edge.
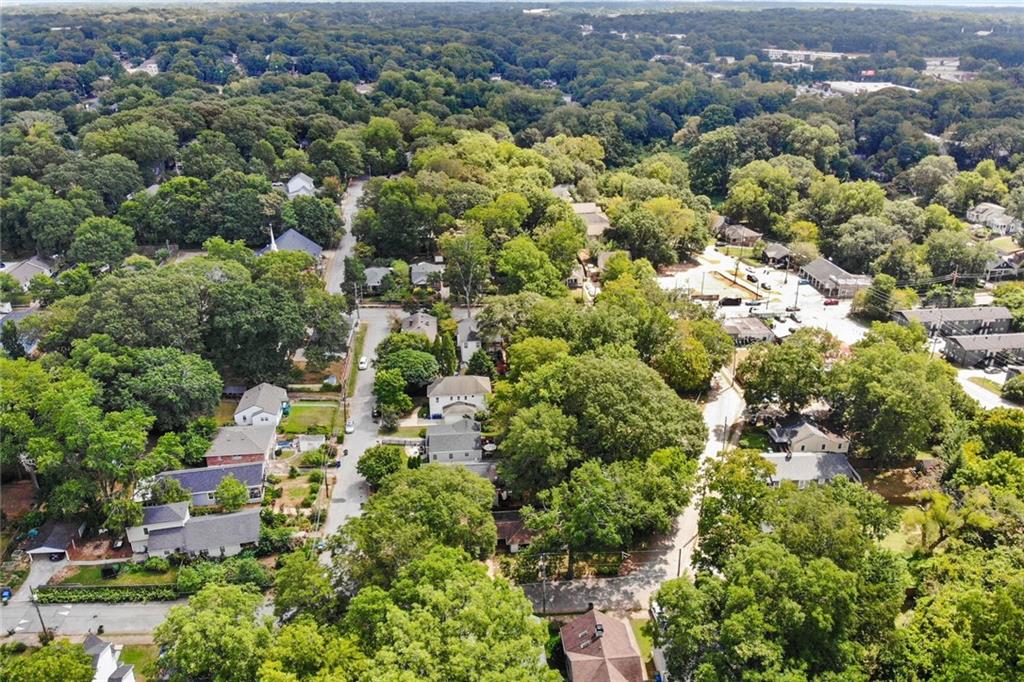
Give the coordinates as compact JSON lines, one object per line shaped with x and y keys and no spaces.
{"x":334,"y":273}
{"x":986,"y":398}
{"x":350,"y":490}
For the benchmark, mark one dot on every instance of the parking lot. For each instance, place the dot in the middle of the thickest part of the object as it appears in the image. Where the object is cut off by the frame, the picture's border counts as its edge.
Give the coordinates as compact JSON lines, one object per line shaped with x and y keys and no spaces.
{"x":725,"y":276}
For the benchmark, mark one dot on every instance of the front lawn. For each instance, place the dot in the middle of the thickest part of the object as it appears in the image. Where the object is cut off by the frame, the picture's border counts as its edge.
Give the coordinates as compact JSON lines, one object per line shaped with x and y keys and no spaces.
{"x":642,"y":632}
{"x":309,"y":414}
{"x":91,"y":575}
{"x":141,"y":656}
{"x":404,"y":432}
{"x":353,"y":356}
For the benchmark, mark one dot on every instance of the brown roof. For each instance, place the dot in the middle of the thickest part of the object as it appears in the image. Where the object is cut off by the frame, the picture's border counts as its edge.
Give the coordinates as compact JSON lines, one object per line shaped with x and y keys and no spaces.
{"x":594,"y":656}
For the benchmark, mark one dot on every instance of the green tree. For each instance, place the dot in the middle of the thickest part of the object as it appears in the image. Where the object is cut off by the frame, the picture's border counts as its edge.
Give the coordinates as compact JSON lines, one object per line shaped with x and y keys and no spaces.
{"x":524,"y":267}
{"x":447,"y":361}
{"x":316,"y":218}
{"x":413,"y":511}
{"x":166,"y":491}
{"x":11,"y":340}
{"x":684,"y":364}
{"x":538,"y":450}
{"x":122,"y":514}
{"x":216,"y":636}
{"x":301,"y":585}
{"x":54,"y":662}
{"x":481,"y":364}
{"x":380,"y":461}
{"x":231,"y":494}
{"x":101,"y":241}
{"x":417,"y":368}
{"x":531,"y":353}
{"x":790,"y":374}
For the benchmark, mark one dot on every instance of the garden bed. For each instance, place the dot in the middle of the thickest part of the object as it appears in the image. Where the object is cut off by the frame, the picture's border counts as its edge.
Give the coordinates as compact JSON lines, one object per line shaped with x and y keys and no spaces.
{"x":67,"y":594}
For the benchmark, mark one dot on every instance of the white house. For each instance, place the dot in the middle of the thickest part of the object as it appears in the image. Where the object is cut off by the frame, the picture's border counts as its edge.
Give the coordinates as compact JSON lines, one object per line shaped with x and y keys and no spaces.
{"x":105,"y":661}
{"x":263,"y":404}
{"x":802,"y":435}
{"x":995,"y":217}
{"x":455,"y":443}
{"x":468,"y":338}
{"x":301,"y":185}
{"x":463,"y":393}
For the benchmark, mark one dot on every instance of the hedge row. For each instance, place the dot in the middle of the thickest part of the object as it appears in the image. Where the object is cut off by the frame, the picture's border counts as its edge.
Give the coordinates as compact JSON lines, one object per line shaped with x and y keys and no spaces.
{"x":67,"y":594}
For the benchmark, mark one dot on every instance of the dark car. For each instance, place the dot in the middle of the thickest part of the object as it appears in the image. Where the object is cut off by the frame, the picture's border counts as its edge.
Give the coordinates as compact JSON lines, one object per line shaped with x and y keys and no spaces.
{"x":793,"y":309}
{"x":375,"y":413}
{"x":58,"y":556}
{"x":752,"y":278}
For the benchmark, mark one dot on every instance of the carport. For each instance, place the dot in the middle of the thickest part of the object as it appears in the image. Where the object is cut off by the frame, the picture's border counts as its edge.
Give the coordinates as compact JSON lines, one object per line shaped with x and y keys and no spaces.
{"x":54,"y":538}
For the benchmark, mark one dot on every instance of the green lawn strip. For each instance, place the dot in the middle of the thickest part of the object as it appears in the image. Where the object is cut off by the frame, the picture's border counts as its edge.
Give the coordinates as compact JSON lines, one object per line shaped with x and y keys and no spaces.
{"x":92,"y":575}
{"x":405,"y":432}
{"x":755,"y":439}
{"x":141,"y":656}
{"x":357,"y":352}
{"x":987,"y":384}
{"x":225,"y":413}
{"x":641,"y":631}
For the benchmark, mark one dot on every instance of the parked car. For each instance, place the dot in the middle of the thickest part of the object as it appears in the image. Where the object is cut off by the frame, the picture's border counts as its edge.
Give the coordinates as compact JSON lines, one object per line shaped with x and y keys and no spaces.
{"x":752,"y":278}
{"x":993,"y":369}
{"x":729,"y":300}
{"x":793,"y":309}
{"x":795,"y":318}
{"x":375,"y":412}
{"x":58,"y":556}
{"x":752,"y":303}
{"x":803,"y":280}
{"x":364,"y":362}
{"x":334,"y":463}
{"x":831,"y":301}
{"x":766,"y":286}
{"x":350,"y":426}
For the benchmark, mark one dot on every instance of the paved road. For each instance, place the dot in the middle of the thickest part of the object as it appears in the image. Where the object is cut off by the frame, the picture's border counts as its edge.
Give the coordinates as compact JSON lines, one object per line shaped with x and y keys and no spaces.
{"x":351,"y":490}
{"x":986,"y":398}
{"x":335,"y":270}
{"x":670,"y":557}
{"x":81,"y":619}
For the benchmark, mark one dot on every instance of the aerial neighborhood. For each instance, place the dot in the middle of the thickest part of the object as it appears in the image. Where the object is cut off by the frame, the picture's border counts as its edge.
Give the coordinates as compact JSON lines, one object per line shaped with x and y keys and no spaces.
{"x":579,"y":342}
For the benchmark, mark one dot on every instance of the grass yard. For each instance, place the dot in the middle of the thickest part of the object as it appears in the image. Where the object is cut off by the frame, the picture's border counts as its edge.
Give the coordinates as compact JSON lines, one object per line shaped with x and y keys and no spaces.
{"x":405,"y":432}
{"x":141,"y":656}
{"x":755,"y":439}
{"x":642,"y":632}
{"x":90,"y":575}
{"x":987,"y":384}
{"x":225,"y":413}
{"x":303,"y":415}
{"x":1004,"y":244}
{"x":899,"y":541}
{"x":357,"y":352}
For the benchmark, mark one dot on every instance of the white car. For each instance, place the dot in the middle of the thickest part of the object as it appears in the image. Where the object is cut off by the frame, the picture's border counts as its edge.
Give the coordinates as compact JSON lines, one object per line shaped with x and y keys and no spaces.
{"x":364,"y":362}
{"x":350,"y":426}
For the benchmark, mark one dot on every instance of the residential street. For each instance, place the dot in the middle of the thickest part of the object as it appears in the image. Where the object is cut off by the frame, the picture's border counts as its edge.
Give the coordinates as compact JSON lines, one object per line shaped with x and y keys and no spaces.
{"x":350,"y":491}
{"x":334,"y":273}
{"x":81,"y":619}
{"x":668,"y":559}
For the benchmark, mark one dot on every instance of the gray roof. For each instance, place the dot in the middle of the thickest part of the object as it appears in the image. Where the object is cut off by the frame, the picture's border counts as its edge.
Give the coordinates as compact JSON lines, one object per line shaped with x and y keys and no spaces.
{"x":736,"y":231}
{"x":209,"y":532}
{"x":461,"y":435}
{"x":94,"y":646}
{"x":212,"y":531}
{"x":810,"y":466}
{"x":594,"y":218}
{"x":419,"y":273}
{"x":27,"y":269}
{"x":825,"y":270}
{"x":421,"y":323}
{"x":796,"y":429}
{"x":746,"y":326}
{"x":775,"y":250}
{"x":467,"y":384}
{"x":266,"y":396}
{"x":206,"y":479}
{"x":293,"y":240}
{"x":375,"y":276}
{"x":121,"y":672}
{"x":988,"y":342}
{"x":54,"y":535}
{"x":981,"y":313}
{"x":165,"y":513}
{"x":242,"y":440}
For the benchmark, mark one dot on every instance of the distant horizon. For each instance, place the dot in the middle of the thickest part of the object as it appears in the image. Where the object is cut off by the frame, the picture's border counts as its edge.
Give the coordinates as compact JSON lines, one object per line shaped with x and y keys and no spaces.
{"x":918,"y":4}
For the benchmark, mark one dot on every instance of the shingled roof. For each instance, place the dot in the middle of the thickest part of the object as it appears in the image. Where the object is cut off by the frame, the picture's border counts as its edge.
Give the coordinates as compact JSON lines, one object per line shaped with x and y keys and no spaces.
{"x":600,"y":648}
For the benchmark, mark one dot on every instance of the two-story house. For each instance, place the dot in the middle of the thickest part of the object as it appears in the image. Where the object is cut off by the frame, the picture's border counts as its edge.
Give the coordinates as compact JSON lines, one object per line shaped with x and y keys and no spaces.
{"x":170,"y":529}
{"x":458,"y":394}
{"x":238,"y":444}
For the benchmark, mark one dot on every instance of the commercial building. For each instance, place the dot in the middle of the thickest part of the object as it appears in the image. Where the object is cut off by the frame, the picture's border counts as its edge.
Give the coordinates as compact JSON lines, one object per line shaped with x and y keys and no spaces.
{"x":831,"y":280}
{"x":959,"y":321}
{"x":989,"y":349}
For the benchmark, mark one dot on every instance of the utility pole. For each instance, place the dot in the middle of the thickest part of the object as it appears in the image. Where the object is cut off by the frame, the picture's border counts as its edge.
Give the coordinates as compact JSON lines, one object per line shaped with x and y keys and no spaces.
{"x":796,"y":299}
{"x":35,"y":603}
{"x":703,"y":274}
{"x":544,"y":584}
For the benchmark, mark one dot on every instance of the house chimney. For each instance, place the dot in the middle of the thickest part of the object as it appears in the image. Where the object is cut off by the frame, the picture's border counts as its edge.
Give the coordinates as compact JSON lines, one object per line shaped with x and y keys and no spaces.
{"x":590,"y":606}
